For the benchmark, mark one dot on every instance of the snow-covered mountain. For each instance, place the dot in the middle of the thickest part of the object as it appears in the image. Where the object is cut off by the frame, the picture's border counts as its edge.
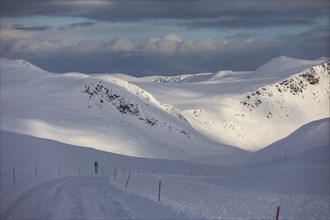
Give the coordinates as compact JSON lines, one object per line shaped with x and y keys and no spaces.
{"x":271,"y":112}
{"x":283,"y":67}
{"x":99,"y":111}
{"x":250,"y":109}
{"x":277,"y":68}
{"x":183,"y":117}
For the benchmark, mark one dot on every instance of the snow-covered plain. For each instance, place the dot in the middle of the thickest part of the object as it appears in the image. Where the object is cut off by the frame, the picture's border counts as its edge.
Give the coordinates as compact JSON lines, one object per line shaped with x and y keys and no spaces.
{"x":185,"y":131}
{"x":188,"y":190}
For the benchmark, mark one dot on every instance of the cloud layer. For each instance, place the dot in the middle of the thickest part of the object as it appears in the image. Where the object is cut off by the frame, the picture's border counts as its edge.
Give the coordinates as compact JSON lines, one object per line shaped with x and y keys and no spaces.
{"x":186,"y":10}
{"x":162,"y":37}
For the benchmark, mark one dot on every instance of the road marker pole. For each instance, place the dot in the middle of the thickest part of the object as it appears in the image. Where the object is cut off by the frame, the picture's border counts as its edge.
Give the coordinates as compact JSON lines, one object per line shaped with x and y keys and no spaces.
{"x":129,"y":176}
{"x":159,"y":186}
{"x":35,"y":171}
{"x":278,"y":213}
{"x":14,"y":176}
{"x":114,"y":174}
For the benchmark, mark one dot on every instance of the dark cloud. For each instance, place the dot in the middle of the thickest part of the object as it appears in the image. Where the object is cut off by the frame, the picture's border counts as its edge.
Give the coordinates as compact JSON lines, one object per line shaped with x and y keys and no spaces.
{"x":308,"y":45}
{"x":30,"y":28}
{"x":246,"y":23}
{"x":78,"y":24}
{"x":228,"y":13}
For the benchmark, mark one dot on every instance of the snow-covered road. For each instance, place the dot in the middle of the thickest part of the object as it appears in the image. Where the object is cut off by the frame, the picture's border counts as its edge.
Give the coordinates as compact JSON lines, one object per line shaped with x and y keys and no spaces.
{"x":182,"y":197}
{"x":64,"y":198}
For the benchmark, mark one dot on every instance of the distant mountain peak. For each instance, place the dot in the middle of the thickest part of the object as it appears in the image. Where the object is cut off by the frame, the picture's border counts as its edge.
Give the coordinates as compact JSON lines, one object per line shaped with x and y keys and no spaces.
{"x":283,"y":67}
{"x":21,"y":63}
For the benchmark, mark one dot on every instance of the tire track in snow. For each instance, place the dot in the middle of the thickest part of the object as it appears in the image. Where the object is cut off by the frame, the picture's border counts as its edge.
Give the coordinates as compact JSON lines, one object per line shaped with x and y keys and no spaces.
{"x":65,"y":198}
{"x":22,"y":201}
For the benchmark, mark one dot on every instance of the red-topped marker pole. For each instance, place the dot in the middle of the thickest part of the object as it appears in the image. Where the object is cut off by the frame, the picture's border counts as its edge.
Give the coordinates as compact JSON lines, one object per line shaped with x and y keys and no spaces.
{"x":278,"y":213}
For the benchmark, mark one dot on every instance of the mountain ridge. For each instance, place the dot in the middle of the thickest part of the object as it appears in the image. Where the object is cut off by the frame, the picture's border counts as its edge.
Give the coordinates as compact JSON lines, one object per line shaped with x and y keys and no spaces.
{"x":142,"y":117}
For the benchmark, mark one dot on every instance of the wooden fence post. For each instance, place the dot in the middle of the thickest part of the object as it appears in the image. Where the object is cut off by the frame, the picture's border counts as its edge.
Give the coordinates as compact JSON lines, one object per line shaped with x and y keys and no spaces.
{"x":59,"y":170}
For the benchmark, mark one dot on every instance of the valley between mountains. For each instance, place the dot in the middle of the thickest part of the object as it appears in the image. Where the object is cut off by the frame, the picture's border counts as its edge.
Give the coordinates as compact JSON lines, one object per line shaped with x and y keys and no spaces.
{"x":180,"y":117}
{"x":224,"y":145}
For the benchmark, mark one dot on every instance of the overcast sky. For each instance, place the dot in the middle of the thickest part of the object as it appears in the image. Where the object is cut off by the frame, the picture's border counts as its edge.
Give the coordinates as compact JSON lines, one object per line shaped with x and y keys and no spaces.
{"x":162,"y":37}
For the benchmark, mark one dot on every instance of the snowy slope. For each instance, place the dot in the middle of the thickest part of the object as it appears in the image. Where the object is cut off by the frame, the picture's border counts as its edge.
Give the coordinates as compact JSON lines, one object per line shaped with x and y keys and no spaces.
{"x":274,"y":111}
{"x":283,"y":66}
{"x":251,"y":109}
{"x":99,"y":111}
{"x":198,"y":77}
{"x":22,"y":152}
{"x":308,"y":144}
